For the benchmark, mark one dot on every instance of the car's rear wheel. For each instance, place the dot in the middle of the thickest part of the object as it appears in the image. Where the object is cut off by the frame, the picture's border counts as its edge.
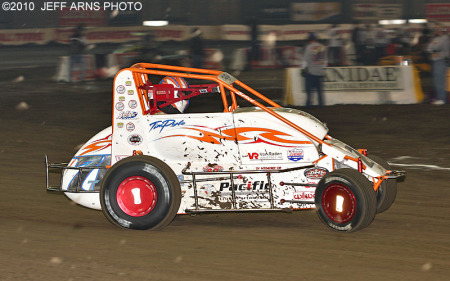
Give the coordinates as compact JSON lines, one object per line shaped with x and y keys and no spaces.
{"x":140,"y":192}
{"x":387,"y":191}
{"x":345,"y":200}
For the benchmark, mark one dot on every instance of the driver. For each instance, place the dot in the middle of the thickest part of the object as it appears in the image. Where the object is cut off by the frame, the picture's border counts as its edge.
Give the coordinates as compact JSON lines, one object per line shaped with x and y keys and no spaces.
{"x":180,"y":106}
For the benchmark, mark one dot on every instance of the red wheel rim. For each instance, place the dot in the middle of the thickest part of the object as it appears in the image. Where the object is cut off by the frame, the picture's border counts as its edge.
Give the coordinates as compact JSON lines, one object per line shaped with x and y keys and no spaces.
{"x":339,"y":203}
{"x":136,"y":196}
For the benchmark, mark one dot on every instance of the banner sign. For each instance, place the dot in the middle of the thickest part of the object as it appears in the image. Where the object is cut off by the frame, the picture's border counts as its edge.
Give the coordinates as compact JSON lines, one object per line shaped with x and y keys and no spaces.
{"x":377,"y":11}
{"x":376,"y":78}
{"x":25,"y":36}
{"x":359,"y":85}
{"x":69,"y":17}
{"x":289,"y":32}
{"x":93,"y":35}
{"x":438,"y":12}
{"x":314,"y":11}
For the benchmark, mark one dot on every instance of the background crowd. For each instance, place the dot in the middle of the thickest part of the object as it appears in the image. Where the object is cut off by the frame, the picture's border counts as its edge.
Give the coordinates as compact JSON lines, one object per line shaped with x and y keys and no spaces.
{"x":429,"y":50}
{"x":368,"y":44}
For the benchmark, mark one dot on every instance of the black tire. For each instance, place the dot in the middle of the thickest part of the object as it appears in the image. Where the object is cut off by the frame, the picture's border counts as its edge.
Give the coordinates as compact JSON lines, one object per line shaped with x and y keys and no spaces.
{"x":357,"y":206}
{"x":140,"y":192}
{"x":387,"y":191}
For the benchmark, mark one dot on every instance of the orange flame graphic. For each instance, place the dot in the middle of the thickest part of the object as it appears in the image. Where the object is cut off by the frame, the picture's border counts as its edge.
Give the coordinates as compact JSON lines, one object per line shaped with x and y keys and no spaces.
{"x":97,"y":145}
{"x":269,"y":136}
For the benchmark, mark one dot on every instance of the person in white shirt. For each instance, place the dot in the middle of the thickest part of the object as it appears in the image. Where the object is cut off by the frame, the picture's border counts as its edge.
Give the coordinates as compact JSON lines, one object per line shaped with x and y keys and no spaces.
{"x":335,"y":46}
{"x":439,"y":49}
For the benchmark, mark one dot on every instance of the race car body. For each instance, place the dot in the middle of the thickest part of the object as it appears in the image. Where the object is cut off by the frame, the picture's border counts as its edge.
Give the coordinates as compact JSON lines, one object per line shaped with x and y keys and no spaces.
{"x":156,"y":161}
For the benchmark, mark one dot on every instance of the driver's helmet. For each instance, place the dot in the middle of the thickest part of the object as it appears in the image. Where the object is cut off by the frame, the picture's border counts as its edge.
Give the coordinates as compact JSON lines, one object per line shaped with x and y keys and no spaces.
{"x":177,"y":82}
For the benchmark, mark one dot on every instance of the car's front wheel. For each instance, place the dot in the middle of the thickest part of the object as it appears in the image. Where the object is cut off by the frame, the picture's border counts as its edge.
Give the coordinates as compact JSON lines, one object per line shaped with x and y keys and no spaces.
{"x":345,"y":200}
{"x":140,"y":192}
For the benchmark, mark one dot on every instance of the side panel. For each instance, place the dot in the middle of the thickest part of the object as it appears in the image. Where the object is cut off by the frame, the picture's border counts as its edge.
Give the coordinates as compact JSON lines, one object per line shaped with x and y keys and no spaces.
{"x":264,"y":139}
{"x":204,"y":140}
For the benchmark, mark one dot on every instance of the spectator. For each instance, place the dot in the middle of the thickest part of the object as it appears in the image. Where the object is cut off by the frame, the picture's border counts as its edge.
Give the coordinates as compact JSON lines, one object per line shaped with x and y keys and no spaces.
{"x":196,"y":48}
{"x":255,"y":48}
{"x":149,"y":48}
{"x":422,"y":63}
{"x":335,"y":46}
{"x":439,"y":48}
{"x":381,"y":42}
{"x":276,"y":55}
{"x":313,"y":69}
{"x":369,"y":46}
{"x":359,"y":40}
{"x":426,"y":30}
{"x":77,"y":48}
{"x":406,"y":38}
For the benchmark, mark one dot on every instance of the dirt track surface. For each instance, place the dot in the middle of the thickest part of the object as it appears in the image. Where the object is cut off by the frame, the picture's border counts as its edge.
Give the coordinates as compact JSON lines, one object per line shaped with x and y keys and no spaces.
{"x":45,"y":237}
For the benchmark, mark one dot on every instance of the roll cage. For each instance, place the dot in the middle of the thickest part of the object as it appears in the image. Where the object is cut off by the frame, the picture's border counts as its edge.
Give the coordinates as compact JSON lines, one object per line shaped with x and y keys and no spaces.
{"x":154,"y":96}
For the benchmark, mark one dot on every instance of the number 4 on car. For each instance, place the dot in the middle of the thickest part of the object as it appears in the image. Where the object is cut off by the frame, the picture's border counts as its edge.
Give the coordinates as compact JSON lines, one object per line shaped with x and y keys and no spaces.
{"x":157,"y":159}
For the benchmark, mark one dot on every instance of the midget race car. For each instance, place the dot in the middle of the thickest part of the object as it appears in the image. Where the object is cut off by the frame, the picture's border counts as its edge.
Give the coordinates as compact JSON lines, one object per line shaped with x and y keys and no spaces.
{"x":157,"y":161}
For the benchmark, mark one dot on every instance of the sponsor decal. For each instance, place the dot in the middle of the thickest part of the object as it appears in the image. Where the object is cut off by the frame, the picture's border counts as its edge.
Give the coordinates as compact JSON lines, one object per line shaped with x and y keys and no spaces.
{"x":121,"y":98}
{"x":265,"y":156}
{"x":207,"y":189}
{"x":127,"y":115}
{"x":295,"y":154}
{"x":130,"y":92}
{"x":253,"y":155}
{"x":132,"y":104}
{"x":268,"y":168}
{"x":315,"y":173}
{"x":120,"y":125}
{"x":181,"y":179}
{"x":120,"y":106}
{"x":163,"y":92}
{"x":135,"y":139}
{"x":120,"y":89}
{"x":128,"y":83}
{"x":347,"y":227}
{"x":130,"y":126}
{"x":166,"y":123}
{"x":213,"y":168}
{"x":304,"y":195}
{"x":256,"y":185}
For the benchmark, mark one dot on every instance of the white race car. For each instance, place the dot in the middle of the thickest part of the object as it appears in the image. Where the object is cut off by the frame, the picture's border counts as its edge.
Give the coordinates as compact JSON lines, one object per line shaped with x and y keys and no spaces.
{"x":156,"y":161}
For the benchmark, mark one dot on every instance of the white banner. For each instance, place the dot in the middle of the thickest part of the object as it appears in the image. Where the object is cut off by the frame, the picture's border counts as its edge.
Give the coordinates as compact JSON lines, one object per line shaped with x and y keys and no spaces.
{"x":379,"y":78}
{"x":359,"y":85}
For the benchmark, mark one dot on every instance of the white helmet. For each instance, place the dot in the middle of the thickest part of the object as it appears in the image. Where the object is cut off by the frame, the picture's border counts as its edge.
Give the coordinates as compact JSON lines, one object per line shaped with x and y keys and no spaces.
{"x":177,"y":82}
